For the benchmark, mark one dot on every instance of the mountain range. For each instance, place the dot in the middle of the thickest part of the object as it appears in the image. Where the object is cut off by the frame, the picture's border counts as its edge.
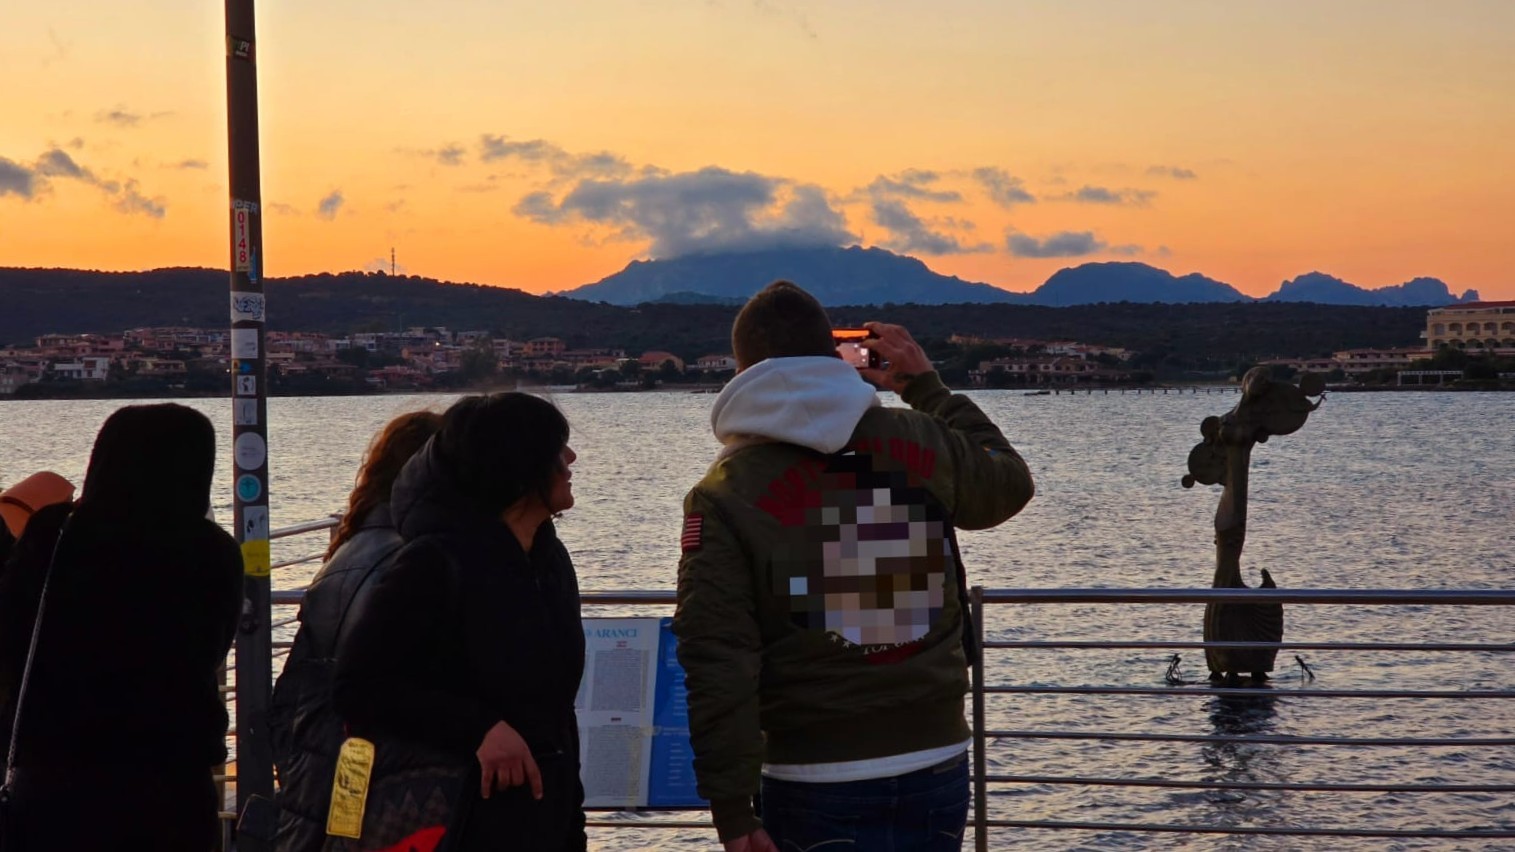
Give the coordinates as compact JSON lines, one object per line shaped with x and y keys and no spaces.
{"x":1204,"y":335}
{"x":859,"y":276}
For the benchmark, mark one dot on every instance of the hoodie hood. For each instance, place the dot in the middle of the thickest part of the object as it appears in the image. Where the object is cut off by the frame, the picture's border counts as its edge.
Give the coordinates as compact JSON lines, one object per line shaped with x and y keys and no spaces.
{"x":812,"y":401}
{"x":426,"y":499}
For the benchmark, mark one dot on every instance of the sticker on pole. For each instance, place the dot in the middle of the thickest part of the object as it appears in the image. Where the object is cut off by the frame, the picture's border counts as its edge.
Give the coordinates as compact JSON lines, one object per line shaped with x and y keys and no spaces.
{"x":244,"y":412}
{"x":254,"y":523}
{"x":241,"y":234}
{"x":244,"y":343}
{"x":255,"y":558}
{"x":246,"y":307}
{"x":247,"y":386}
{"x":249,"y":488}
{"x":250,"y":450}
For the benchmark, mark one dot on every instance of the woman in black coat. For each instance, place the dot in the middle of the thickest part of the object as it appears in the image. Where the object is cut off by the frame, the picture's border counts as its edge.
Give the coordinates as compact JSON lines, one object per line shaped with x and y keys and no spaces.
{"x":471,"y":644}
{"x":122,"y":722}
{"x":306,"y":731}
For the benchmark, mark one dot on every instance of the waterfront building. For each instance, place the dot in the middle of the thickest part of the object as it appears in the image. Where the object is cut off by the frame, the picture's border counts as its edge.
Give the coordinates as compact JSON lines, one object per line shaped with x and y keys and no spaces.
{"x":1472,"y":327}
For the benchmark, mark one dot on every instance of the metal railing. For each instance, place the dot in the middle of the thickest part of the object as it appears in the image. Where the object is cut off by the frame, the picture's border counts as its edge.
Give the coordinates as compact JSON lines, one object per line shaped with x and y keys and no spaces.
{"x":986,"y":782}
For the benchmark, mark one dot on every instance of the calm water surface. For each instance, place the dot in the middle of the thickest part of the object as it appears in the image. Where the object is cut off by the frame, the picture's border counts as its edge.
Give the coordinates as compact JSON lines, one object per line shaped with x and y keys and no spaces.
{"x":1401,"y":491}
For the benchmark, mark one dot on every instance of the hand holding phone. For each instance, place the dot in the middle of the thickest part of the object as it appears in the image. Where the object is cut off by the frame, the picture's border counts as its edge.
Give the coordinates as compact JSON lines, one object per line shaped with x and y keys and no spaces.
{"x":900,"y":358}
{"x":852,"y":345}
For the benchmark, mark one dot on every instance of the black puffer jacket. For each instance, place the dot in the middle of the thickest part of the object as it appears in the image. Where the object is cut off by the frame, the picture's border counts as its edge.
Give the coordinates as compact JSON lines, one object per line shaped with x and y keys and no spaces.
{"x":123,"y":693}
{"x":466,"y":630}
{"x":306,"y":730}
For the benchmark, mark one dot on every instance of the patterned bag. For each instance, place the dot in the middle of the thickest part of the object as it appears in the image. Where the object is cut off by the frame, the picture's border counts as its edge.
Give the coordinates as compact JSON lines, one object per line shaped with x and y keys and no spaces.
{"x":417,"y":801}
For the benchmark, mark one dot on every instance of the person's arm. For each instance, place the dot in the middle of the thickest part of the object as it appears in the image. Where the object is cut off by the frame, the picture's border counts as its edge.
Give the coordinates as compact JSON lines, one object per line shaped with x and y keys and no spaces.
{"x":387,"y":651}
{"x":990,"y":481}
{"x":720,"y":648}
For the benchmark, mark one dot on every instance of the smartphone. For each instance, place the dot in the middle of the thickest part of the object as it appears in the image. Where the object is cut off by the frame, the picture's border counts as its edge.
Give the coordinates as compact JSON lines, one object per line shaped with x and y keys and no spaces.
{"x":852,"y":346}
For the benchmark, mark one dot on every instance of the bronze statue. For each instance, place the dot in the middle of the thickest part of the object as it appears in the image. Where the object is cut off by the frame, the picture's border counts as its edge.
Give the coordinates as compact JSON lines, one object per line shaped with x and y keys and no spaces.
{"x":1268,"y":407}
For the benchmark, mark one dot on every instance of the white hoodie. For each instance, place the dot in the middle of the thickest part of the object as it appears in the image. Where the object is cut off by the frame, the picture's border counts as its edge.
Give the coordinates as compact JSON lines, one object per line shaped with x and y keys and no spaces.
{"x":812,"y":401}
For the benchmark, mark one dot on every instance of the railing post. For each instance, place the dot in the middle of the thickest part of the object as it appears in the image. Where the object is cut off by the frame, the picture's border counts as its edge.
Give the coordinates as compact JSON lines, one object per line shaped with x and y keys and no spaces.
{"x":980,"y":755}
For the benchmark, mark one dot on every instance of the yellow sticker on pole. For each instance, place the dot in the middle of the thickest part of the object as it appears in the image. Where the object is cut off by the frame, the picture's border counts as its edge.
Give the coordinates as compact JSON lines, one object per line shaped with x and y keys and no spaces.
{"x":349,"y":788}
{"x":255,"y":558}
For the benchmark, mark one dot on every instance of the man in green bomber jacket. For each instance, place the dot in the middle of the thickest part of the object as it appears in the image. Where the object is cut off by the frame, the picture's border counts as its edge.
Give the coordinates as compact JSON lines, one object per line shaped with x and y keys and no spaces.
{"x":820,"y":603}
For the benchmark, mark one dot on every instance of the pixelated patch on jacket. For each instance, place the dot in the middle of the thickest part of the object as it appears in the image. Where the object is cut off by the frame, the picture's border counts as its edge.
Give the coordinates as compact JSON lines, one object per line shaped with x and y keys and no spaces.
{"x":866,"y":556}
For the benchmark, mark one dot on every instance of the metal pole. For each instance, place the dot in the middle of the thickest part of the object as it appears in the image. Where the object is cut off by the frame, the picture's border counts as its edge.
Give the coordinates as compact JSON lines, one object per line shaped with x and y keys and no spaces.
{"x":249,"y":408}
{"x":980,"y":725}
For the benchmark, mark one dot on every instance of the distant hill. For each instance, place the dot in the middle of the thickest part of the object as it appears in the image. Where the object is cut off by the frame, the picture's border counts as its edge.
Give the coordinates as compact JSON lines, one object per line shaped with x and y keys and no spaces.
{"x":1204,"y":336}
{"x":835,"y":276}
{"x":1092,"y":283}
{"x":1326,"y":289}
{"x":858,"y":276}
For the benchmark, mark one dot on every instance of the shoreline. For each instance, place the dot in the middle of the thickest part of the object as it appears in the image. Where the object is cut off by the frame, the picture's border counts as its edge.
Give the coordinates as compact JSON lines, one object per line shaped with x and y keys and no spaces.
{"x":1029,"y":390}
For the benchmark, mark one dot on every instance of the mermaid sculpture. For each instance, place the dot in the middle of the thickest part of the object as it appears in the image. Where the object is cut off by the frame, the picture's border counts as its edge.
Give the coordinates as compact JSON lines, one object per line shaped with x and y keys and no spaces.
{"x":1267,"y":408}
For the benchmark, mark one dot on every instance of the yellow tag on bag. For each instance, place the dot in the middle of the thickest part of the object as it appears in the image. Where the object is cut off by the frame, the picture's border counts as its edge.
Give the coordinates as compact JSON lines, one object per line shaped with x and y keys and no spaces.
{"x":349,"y":789}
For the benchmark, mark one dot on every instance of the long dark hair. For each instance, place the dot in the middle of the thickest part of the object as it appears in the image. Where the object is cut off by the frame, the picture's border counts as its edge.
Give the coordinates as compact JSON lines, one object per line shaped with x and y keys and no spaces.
{"x":387,"y":453}
{"x":502,"y":447}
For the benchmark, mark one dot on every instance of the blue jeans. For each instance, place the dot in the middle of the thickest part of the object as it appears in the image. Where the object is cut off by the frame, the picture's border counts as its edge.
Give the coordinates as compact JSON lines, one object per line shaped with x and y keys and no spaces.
{"x":922,"y":811}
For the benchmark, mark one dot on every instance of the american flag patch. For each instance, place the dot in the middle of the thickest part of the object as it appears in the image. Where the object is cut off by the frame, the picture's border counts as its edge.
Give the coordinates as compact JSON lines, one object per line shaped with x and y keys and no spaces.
{"x":694,"y":525}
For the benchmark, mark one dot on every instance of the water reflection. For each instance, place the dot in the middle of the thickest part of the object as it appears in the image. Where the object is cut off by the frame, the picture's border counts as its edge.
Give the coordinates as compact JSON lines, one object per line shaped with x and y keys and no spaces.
{"x":1239,"y":761}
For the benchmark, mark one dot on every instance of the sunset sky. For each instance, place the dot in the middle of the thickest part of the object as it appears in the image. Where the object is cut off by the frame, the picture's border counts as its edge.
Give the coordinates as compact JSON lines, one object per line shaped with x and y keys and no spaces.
{"x":545,"y":145}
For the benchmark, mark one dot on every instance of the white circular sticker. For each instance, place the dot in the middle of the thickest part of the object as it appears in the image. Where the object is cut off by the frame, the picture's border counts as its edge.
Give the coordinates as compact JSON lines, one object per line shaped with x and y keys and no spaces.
{"x":251,"y":450}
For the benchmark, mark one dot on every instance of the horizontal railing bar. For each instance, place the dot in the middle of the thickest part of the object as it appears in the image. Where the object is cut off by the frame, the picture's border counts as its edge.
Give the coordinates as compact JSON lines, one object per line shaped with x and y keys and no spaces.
{"x":298,"y":561}
{"x":307,"y":527}
{"x":1439,"y":597}
{"x":1249,"y":692}
{"x":1271,"y":739}
{"x":1408,"y":833}
{"x":647,"y":824}
{"x":1282,"y":646}
{"x":1297,"y":787}
{"x":1406,"y":597}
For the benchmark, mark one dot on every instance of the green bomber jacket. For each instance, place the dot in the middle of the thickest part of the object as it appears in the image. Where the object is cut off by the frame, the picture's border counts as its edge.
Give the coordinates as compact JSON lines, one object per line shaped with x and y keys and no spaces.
{"x":819,"y":617}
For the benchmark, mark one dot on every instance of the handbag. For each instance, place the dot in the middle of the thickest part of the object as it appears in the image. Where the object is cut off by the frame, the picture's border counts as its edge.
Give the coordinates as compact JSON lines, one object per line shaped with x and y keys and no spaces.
{"x":417,"y":799}
{"x":8,"y":841}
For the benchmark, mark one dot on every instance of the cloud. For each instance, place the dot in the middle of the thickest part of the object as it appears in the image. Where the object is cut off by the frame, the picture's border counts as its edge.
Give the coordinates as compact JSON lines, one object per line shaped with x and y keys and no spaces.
{"x":1174,"y":172}
{"x":16,"y":179}
{"x":329,"y":206}
{"x":1004,"y":189}
{"x":911,"y":235}
{"x":56,"y":163}
{"x":912,"y":183}
{"x":561,"y":164}
{"x":119,"y":117}
{"x":384,"y":264}
{"x":131,"y":200}
{"x":1061,"y":244}
{"x":708,"y":210}
{"x":191,"y":164}
{"x":451,"y":154}
{"x":281,"y":208}
{"x":1101,"y":195}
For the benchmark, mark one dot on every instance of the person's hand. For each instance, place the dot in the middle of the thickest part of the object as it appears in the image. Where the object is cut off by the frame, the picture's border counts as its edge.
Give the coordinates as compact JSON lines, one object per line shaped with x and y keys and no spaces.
{"x":506,"y":761}
{"x":906,"y":357}
{"x":758,"y":841}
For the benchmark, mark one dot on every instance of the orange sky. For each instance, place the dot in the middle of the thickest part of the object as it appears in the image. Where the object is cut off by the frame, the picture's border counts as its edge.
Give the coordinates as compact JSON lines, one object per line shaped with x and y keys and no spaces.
{"x":545,"y":148}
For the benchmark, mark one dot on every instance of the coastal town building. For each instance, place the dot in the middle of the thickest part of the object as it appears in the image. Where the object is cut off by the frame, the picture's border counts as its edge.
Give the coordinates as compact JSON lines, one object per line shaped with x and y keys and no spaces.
{"x":716,"y":363}
{"x":656,"y":359}
{"x":1472,"y":327}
